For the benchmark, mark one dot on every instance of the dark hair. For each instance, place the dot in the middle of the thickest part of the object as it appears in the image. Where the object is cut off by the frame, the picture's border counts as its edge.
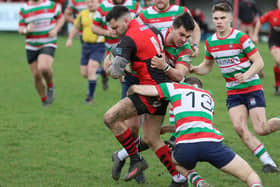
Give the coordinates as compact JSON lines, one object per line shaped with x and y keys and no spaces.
{"x":184,"y":20}
{"x":223,"y":6}
{"x":116,"y":12}
{"x":193,"y":80}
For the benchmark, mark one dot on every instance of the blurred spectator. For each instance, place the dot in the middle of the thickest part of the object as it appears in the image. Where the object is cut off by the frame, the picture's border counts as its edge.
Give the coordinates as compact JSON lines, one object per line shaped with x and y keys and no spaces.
{"x":247,"y":15}
{"x":198,"y":16}
{"x":146,"y":3}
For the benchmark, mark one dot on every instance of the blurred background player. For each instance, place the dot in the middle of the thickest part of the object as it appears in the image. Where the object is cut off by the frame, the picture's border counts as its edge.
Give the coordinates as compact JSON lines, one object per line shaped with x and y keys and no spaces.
{"x":93,"y":47}
{"x":41,"y":28}
{"x":273,"y":17}
{"x":196,"y":138}
{"x":198,"y":16}
{"x":239,"y":62}
{"x":247,"y":14}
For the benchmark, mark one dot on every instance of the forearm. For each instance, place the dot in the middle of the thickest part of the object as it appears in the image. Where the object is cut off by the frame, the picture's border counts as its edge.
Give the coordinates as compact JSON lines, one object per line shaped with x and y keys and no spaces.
{"x":257,"y":65}
{"x":196,"y":34}
{"x":202,"y":69}
{"x":257,"y":28}
{"x":22,"y":30}
{"x":59,"y":23}
{"x":100,"y":31}
{"x":73,"y":33}
{"x":177,"y":74}
{"x":146,"y":90}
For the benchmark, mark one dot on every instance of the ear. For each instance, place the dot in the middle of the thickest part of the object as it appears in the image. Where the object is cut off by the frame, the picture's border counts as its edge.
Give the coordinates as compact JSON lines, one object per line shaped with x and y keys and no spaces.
{"x":171,"y":28}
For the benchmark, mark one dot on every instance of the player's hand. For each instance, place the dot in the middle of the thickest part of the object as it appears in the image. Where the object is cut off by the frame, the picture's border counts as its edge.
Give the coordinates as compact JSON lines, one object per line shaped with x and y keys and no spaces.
{"x":192,"y":69}
{"x":255,"y":39}
{"x":158,"y":61}
{"x":195,"y":49}
{"x":68,"y":43}
{"x":29,"y":27}
{"x":53,"y":32}
{"x":241,"y":77}
{"x":112,"y":33}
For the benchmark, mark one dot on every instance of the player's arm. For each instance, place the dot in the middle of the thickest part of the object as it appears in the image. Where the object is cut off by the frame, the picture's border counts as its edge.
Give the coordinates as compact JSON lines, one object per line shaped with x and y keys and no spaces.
{"x":203,"y":68}
{"x":195,"y":39}
{"x":256,"y":67}
{"x":102,"y":32}
{"x":60,"y":20}
{"x":146,"y":90}
{"x":74,"y":30}
{"x":255,"y":37}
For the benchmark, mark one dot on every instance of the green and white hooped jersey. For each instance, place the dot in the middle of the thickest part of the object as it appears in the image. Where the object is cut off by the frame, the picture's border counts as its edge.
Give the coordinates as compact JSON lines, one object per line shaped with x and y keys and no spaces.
{"x":231,"y":54}
{"x":177,"y":55}
{"x":43,"y":16}
{"x":161,"y":19}
{"x":193,"y":111}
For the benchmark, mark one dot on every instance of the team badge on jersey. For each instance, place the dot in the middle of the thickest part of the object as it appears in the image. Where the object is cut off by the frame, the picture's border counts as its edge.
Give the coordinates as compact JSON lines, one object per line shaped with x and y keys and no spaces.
{"x":230,"y":46}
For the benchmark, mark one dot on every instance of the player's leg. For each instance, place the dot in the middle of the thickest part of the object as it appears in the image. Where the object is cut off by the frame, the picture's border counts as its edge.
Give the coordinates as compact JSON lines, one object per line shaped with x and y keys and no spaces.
{"x":32,"y":58}
{"x":239,"y":118}
{"x":45,"y":61}
{"x":92,"y":67}
{"x":151,"y":136}
{"x":275,"y":52}
{"x":115,"y":118}
{"x":239,"y":168}
{"x":181,"y":152}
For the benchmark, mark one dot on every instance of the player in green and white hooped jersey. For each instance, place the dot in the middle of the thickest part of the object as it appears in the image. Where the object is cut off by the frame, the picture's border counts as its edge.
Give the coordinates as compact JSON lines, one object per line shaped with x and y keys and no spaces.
{"x":40,"y":20}
{"x":162,"y":14}
{"x":239,"y":62}
{"x":196,"y":137}
{"x":74,"y":7}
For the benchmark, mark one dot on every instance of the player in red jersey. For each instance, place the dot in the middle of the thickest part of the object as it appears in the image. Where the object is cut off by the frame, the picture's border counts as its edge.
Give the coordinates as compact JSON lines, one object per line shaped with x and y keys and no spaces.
{"x":273,"y":17}
{"x":138,"y":45}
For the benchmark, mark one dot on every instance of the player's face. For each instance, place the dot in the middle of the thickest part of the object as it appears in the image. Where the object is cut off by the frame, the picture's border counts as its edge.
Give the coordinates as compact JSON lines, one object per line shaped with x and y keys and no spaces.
{"x":180,"y":36}
{"x":118,"y":26}
{"x":92,"y":4}
{"x":161,"y":4}
{"x":222,"y":21}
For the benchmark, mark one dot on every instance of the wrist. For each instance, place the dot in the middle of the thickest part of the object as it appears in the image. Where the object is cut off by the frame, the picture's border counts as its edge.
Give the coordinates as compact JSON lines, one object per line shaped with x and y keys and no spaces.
{"x":166,"y":68}
{"x":24,"y":30}
{"x":195,"y":45}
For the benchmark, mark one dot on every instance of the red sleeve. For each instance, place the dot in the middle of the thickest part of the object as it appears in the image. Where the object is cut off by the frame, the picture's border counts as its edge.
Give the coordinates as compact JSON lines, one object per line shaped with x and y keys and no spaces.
{"x":265,"y":17}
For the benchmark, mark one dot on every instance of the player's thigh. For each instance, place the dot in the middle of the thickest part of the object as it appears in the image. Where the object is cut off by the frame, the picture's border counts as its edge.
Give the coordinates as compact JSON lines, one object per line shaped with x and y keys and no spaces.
{"x":239,"y":116}
{"x":45,"y":58}
{"x":238,"y":167}
{"x":34,"y":69}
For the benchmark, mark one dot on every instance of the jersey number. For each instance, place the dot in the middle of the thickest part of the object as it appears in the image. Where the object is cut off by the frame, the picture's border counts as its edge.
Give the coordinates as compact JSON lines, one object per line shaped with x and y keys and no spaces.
{"x":204,"y":101}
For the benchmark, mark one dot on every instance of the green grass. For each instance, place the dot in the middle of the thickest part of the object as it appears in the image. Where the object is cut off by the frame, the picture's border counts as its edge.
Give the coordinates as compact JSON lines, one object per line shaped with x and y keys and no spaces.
{"x":67,"y":144}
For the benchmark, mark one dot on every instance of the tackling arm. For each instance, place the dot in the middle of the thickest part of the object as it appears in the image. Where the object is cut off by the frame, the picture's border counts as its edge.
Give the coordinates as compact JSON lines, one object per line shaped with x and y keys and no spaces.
{"x":146,"y":90}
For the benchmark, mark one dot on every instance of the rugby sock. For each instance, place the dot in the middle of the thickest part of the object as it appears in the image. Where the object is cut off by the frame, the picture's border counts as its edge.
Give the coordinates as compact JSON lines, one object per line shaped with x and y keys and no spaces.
{"x":276,"y":75}
{"x":50,"y":85}
{"x":43,"y":98}
{"x":91,"y":87}
{"x":164,"y":155}
{"x":263,"y":155}
{"x":194,"y":178}
{"x":256,"y":185}
{"x":128,"y":142}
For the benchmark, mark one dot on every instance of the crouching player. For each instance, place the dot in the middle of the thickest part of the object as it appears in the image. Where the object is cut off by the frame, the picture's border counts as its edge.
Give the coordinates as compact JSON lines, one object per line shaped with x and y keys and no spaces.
{"x":195,"y":133}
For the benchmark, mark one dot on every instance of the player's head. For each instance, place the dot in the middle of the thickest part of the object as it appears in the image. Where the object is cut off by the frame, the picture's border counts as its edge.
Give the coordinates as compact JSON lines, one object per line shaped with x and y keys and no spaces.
{"x":118,"y":2}
{"x":222,"y":16}
{"x":182,"y":29}
{"x":92,"y":4}
{"x":161,"y":4}
{"x":118,"y":19}
{"x":194,"y":81}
